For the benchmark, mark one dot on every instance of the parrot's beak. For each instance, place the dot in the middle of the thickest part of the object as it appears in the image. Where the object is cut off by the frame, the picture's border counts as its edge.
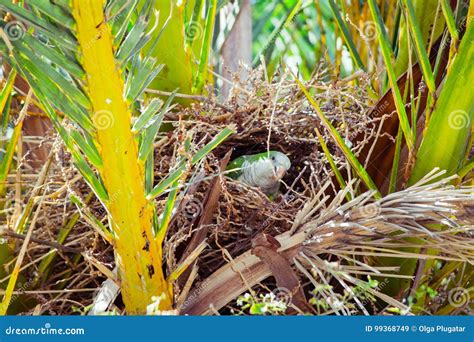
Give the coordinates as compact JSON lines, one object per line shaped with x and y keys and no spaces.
{"x":279,"y":172}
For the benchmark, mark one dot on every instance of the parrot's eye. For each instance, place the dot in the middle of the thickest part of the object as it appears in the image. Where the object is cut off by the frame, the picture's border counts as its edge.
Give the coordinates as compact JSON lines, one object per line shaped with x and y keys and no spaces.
{"x":273,"y":158}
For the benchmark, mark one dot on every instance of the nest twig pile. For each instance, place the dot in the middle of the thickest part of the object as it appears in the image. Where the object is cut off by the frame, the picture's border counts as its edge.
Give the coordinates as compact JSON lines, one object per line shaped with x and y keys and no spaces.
{"x":265,"y":116}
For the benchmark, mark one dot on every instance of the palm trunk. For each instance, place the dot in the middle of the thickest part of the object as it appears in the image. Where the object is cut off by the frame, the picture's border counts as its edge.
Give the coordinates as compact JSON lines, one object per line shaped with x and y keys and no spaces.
{"x":131,"y":214}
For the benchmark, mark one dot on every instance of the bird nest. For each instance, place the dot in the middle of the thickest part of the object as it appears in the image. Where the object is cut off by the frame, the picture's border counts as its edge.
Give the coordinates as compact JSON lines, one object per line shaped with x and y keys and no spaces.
{"x":265,"y":116}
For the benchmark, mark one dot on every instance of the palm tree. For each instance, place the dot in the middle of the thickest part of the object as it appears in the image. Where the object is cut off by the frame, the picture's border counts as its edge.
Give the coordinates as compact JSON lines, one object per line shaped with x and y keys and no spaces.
{"x":89,"y":77}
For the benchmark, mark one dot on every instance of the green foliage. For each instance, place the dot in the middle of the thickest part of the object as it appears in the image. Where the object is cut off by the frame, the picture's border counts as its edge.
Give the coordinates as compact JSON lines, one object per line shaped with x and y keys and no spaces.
{"x":264,"y":304}
{"x":9,"y":144}
{"x":446,"y":139}
{"x":185,"y":45}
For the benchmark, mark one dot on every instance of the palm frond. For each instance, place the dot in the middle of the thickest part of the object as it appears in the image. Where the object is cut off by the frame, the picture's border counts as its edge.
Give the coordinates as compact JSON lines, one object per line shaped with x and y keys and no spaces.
{"x":364,"y":227}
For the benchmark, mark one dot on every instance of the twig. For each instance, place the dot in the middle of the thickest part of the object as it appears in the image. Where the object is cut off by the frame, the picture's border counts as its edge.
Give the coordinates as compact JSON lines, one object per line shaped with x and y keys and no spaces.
{"x":9,"y":233}
{"x":190,"y":97}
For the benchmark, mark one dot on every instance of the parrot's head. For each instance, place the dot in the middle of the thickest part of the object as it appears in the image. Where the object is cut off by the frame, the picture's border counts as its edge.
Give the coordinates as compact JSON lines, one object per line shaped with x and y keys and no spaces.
{"x":280,"y":164}
{"x":267,"y":171}
{"x":263,"y":170}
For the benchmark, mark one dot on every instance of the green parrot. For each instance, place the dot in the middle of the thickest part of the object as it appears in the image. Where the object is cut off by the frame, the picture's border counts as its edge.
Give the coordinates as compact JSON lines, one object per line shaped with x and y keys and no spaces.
{"x":262,"y":170}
